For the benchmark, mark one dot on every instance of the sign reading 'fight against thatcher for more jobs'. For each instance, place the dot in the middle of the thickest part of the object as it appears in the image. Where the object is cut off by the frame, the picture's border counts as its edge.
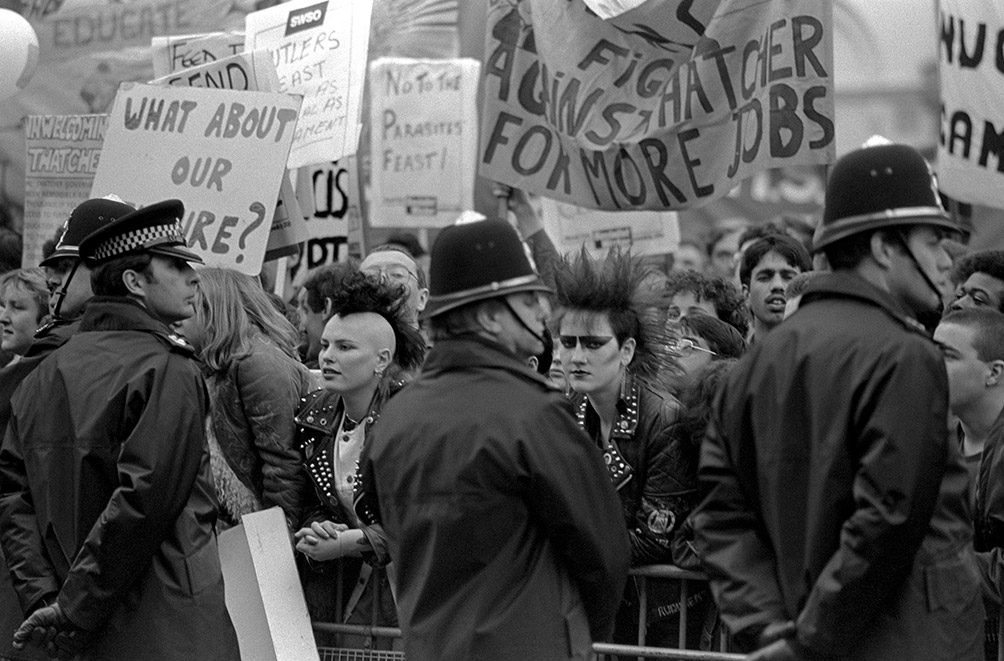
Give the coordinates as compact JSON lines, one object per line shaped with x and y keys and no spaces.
{"x":666,"y":106}
{"x":423,"y":115}
{"x":222,"y":152}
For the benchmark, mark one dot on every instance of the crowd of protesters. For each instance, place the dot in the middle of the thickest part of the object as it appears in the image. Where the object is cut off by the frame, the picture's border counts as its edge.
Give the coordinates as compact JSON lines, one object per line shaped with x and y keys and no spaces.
{"x":479,"y":454}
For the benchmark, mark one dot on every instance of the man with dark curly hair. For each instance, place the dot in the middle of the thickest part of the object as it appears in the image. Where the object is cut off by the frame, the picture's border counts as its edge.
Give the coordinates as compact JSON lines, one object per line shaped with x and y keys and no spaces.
{"x":981,"y":278}
{"x":691,"y":292}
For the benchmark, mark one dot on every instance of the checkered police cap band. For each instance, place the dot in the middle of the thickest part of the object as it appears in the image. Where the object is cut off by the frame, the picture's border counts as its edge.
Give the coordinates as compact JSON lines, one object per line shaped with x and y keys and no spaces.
{"x":146,"y":237}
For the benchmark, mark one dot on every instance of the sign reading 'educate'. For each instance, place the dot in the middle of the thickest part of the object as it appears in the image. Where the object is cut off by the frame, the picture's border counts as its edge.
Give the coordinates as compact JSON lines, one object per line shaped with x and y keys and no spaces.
{"x":423,"y":115}
{"x":971,"y":140}
{"x":222,"y":152}
{"x":666,"y":106}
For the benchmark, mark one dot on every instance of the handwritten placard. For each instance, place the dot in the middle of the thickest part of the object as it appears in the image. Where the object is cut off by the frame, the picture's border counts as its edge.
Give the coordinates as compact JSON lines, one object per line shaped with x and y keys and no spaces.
{"x":222,"y":152}
{"x":423,"y":115}
{"x":319,"y":50}
{"x":645,"y":232}
{"x":174,"y":53}
{"x":63,"y":152}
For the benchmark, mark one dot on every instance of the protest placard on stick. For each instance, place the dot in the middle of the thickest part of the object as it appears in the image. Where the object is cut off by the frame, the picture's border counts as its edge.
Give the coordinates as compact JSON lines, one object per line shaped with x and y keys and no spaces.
{"x":222,"y":152}
{"x":175,"y":53}
{"x":971,"y":141}
{"x":668,"y":112}
{"x":319,"y":50}
{"x":644,"y":232}
{"x":423,"y":115}
{"x":62,"y":158}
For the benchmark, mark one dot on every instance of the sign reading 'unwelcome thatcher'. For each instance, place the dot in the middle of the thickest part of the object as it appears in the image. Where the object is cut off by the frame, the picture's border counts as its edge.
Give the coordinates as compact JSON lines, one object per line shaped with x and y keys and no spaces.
{"x":668,"y":105}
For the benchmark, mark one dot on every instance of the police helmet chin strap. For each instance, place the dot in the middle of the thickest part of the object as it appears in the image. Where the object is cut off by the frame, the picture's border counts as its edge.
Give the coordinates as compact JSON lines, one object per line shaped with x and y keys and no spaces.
{"x":522,"y":323}
{"x":920,"y":269}
{"x":63,"y":288}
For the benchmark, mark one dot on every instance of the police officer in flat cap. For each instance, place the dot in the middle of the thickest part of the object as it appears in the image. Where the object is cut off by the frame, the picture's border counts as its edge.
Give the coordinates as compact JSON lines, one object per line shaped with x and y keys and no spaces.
{"x":107,"y":504}
{"x":835,"y":520}
{"x":506,"y":534}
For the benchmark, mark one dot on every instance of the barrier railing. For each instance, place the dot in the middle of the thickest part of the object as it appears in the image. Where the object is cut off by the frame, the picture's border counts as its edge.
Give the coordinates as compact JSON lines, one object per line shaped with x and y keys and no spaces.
{"x":642,"y":574}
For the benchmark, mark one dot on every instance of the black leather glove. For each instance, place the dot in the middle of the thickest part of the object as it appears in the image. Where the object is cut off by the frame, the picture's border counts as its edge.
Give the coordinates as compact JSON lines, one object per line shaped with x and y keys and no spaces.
{"x":50,"y":629}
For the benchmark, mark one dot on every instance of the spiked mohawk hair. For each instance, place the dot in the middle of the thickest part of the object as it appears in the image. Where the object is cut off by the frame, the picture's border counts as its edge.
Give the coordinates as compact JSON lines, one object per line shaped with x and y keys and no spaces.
{"x":619,"y":286}
{"x":363,"y":293}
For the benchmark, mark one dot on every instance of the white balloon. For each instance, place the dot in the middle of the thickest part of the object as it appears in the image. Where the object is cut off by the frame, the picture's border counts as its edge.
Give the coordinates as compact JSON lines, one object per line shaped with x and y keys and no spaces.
{"x":18,"y":53}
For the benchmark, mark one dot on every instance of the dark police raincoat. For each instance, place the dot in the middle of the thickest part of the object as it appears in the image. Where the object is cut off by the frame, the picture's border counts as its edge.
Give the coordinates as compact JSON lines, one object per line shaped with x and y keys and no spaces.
{"x":106,"y":499}
{"x":832,"y":494}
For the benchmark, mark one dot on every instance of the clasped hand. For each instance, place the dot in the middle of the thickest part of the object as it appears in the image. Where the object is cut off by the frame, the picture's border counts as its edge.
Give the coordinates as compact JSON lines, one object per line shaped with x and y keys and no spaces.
{"x":320,"y":541}
{"x":49,"y":628}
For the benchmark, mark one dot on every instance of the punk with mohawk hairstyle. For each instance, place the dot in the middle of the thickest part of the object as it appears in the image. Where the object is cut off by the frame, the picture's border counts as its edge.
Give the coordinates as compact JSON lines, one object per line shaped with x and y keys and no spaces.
{"x":615,"y":349}
{"x":359,"y":378}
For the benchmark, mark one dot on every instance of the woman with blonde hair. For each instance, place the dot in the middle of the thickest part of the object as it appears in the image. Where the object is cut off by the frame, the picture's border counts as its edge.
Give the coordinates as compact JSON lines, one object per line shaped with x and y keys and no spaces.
{"x":248,"y":354}
{"x":24,"y":304}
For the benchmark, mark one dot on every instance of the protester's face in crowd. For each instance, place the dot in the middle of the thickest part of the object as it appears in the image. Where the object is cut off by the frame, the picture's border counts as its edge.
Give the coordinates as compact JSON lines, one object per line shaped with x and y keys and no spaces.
{"x":19,"y":319}
{"x":765,"y":292}
{"x":354,"y":351}
{"x":692,"y":351}
{"x":311,"y":326}
{"x":591,"y":358}
{"x":967,"y":374}
{"x":723,"y":255}
{"x":980,"y":291}
{"x":78,"y":291}
{"x":905,"y":283}
{"x":689,"y":257}
{"x":687,"y":302}
{"x":398,"y":269}
{"x":170,"y":289}
{"x":534,"y":311}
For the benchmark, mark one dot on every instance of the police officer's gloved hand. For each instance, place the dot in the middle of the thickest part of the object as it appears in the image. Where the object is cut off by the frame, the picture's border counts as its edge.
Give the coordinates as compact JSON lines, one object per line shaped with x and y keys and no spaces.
{"x":50,"y":629}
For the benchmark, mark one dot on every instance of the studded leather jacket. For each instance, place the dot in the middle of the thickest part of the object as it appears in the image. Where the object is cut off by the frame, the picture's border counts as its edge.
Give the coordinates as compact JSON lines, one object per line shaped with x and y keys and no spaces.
{"x":655,"y":477}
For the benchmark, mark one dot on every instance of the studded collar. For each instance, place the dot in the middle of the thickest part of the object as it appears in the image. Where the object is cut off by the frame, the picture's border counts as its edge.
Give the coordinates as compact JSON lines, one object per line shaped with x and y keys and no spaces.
{"x":624,"y":428}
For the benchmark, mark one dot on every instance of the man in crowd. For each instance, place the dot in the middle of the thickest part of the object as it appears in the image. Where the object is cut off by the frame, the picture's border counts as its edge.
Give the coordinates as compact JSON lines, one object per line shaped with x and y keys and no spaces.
{"x":499,"y":554}
{"x":767,"y":267}
{"x":314,"y":306}
{"x":394,"y":264}
{"x":972,"y":341}
{"x":981,"y":281}
{"x":691,"y":292}
{"x":107,"y":505}
{"x":70,"y":283}
{"x":834,"y":520}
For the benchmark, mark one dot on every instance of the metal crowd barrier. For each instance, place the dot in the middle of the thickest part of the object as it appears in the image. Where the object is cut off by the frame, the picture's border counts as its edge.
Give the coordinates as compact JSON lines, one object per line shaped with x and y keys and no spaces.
{"x":605,"y":650}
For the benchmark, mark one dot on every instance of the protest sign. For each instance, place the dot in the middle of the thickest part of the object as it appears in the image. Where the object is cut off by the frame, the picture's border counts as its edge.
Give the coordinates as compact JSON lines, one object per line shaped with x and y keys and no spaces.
{"x":62,"y":159}
{"x":319,"y":50}
{"x":329,"y":196}
{"x":222,"y":152}
{"x":423,"y":117}
{"x":87,"y":27}
{"x":645,"y":232}
{"x":179,"y":52}
{"x":667,"y":113}
{"x":971,"y":64}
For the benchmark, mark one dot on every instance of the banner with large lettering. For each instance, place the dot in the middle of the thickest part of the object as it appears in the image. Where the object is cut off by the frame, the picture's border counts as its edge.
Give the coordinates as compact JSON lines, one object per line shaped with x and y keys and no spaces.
{"x":222,"y":152}
{"x":319,"y":49}
{"x":62,"y":157}
{"x":667,"y":106}
{"x":423,"y":119}
{"x":970,"y":162}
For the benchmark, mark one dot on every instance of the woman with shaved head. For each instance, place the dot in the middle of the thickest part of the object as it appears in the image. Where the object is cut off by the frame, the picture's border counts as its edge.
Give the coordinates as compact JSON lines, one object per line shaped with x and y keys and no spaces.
{"x":368,"y":352}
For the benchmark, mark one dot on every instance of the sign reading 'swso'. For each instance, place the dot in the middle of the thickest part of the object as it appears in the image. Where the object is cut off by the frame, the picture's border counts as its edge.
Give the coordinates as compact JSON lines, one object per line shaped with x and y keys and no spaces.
{"x":667,"y":106}
{"x":222,"y":152}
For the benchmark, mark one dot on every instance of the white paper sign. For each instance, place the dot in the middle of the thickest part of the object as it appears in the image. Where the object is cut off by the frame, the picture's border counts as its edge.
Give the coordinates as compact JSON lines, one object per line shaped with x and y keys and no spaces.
{"x":222,"y":152}
{"x":423,"y":118}
{"x":645,"y":232}
{"x":319,"y":50}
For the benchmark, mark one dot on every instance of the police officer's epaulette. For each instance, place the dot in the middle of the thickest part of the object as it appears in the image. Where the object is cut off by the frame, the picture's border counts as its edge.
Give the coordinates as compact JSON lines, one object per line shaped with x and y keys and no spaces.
{"x":177,"y":343}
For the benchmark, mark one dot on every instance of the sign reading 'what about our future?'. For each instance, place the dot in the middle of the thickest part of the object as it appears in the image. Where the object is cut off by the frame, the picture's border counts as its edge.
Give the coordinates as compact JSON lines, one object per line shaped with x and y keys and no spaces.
{"x":667,"y":105}
{"x":423,"y":115}
{"x":319,"y":50}
{"x":222,"y":152}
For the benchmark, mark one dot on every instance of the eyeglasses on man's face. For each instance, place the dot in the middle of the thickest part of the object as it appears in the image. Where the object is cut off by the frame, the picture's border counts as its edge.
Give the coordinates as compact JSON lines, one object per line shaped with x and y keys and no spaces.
{"x":588,"y":342}
{"x":399,"y":275}
{"x":685,"y":346}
